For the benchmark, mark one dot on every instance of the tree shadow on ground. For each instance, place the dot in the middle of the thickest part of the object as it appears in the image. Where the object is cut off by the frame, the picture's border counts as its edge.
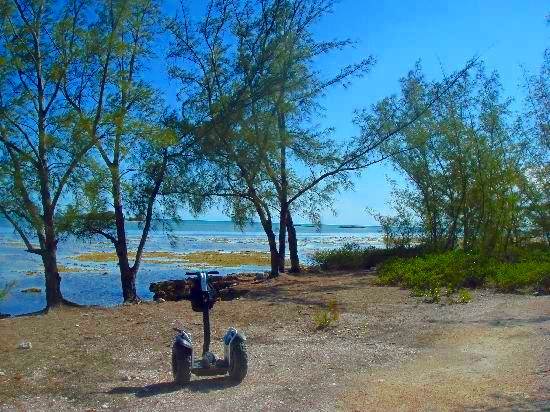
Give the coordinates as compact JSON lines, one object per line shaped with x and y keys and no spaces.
{"x":200,"y":385}
{"x":500,"y":322}
{"x":281,"y":294}
{"x":514,"y":403}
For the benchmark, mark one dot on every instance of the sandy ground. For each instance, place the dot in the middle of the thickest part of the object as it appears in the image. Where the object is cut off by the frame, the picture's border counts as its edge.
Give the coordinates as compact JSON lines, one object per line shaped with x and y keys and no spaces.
{"x":386,"y":352}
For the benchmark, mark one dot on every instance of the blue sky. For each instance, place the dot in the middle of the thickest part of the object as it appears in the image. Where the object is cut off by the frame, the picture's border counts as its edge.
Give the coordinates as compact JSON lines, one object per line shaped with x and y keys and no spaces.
{"x":509,"y":36}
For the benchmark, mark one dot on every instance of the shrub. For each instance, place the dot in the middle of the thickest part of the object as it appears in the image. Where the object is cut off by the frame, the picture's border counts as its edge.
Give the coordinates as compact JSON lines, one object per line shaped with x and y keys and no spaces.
{"x":515,"y":271}
{"x":512,"y":277}
{"x":450,"y":269}
{"x":326,"y":316}
{"x":352,"y":256}
{"x":464,"y":296}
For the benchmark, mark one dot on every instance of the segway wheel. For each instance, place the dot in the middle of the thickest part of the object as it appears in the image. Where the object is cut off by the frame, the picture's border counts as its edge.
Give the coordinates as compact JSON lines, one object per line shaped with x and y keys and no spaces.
{"x":238,"y":362}
{"x":181,"y":365}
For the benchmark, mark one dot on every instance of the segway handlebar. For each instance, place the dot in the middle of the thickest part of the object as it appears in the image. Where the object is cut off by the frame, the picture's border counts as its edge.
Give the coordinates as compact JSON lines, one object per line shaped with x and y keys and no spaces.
{"x":210,"y":272}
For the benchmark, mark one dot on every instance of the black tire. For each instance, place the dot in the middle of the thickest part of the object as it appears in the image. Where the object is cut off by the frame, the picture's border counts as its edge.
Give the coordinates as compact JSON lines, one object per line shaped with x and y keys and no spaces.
{"x":181,"y":365}
{"x":238,"y":362}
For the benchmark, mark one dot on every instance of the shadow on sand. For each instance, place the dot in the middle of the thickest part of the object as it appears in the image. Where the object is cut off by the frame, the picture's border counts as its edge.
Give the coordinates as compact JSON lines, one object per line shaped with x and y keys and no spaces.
{"x":201,"y":385}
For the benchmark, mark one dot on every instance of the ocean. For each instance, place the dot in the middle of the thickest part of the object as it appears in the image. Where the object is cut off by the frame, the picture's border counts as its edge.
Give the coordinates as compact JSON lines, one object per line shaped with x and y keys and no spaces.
{"x":98,"y":283}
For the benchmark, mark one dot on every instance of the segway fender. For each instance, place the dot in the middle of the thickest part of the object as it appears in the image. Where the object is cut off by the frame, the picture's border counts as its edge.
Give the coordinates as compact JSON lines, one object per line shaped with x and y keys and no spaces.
{"x":231,"y":336}
{"x":184,"y":340}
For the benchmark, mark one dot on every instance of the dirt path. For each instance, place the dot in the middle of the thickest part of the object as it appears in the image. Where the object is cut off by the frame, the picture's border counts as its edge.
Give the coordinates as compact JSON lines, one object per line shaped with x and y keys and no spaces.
{"x":387,"y":352}
{"x":499,"y":362}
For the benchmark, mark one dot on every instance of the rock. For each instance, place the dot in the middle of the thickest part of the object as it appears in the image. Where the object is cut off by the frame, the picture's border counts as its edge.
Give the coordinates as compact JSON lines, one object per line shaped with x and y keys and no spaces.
{"x":179,"y":289}
{"x":126,"y":378}
{"x":2,"y":373}
{"x":24,"y":345}
{"x":261,"y":275}
{"x":160,"y":300}
{"x":32,"y":290}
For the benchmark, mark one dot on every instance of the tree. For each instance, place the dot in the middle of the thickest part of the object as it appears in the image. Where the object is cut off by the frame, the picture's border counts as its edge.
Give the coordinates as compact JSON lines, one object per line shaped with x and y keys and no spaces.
{"x":538,"y":101}
{"x":40,"y":149}
{"x":246,"y":86}
{"x":134,"y":141}
{"x":538,"y":114}
{"x":463,"y":161}
{"x":216,"y":93}
{"x":293,"y":104}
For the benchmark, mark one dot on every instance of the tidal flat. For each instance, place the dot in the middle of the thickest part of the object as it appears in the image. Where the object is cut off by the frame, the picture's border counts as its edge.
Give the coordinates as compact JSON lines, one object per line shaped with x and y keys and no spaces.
{"x":210,"y":258}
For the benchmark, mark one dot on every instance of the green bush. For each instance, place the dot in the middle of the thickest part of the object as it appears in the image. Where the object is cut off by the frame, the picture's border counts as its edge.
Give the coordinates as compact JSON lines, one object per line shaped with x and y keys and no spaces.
{"x":450,"y":269}
{"x":352,"y":256}
{"x":464,"y":296}
{"x":511,"y":277}
{"x":515,"y":271}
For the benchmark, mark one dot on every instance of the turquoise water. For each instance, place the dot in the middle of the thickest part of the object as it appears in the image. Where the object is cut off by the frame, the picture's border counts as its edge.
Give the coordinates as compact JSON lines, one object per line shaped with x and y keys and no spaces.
{"x":99,"y":283}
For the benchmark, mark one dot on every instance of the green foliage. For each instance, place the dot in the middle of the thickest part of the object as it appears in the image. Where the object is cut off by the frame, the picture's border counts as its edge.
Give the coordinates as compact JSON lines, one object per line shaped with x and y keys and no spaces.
{"x":453,"y":269}
{"x":435,"y":295}
{"x":351,"y":256}
{"x":430,"y":295}
{"x":322,"y":319}
{"x":463,"y":163}
{"x":399,"y":230}
{"x":464,"y":296}
{"x":524,"y":270}
{"x":325,"y":317}
{"x":511,"y":277}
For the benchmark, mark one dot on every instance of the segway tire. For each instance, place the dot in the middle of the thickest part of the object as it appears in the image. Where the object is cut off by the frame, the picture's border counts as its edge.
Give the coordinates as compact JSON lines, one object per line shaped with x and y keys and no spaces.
{"x":238,"y":362}
{"x":181,"y":365}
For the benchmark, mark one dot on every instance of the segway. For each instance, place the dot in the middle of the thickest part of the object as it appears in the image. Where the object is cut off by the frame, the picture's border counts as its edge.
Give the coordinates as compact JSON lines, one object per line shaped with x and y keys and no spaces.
{"x":184,"y":363}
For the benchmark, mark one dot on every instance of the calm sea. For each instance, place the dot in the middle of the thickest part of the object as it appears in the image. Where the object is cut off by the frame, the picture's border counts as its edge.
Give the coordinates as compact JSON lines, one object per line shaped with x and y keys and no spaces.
{"x":99,"y":284}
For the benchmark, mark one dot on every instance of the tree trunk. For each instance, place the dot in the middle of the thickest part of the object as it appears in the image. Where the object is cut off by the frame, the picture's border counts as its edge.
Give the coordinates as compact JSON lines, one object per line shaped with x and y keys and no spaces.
{"x":292,"y":245}
{"x":268,"y":229}
{"x":267,"y":224}
{"x":52,"y":279}
{"x":282,"y":237}
{"x":49,"y":248}
{"x":128,"y":281}
{"x":274,"y":253}
{"x":283,"y":192}
{"x":127,"y":274}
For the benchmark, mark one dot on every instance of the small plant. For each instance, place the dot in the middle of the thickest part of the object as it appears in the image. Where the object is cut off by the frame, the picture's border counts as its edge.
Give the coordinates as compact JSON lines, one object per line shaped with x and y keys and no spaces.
{"x":449,"y":290}
{"x":464,"y":296}
{"x":417,"y":292}
{"x":322,"y":319}
{"x":326,"y":316}
{"x":435,"y":295}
